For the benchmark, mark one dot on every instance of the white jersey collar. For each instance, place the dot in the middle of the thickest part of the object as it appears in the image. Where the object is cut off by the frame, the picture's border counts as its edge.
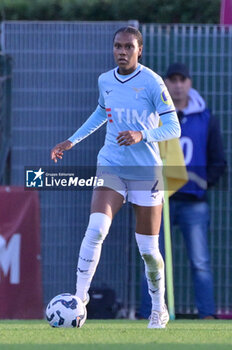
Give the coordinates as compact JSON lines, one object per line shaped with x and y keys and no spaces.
{"x":124,"y":78}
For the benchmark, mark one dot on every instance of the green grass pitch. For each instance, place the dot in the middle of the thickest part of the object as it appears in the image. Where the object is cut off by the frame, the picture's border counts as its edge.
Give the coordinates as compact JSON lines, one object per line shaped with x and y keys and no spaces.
{"x":117,"y":334}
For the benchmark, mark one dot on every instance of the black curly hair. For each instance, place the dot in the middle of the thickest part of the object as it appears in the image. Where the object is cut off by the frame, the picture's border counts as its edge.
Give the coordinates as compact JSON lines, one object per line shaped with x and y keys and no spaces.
{"x":131,"y":30}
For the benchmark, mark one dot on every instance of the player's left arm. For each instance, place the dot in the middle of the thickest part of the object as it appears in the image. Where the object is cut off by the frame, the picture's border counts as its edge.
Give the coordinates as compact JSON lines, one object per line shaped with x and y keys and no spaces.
{"x":129,"y":137}
{"x":164,"y":105}
{"x":170,"y":127}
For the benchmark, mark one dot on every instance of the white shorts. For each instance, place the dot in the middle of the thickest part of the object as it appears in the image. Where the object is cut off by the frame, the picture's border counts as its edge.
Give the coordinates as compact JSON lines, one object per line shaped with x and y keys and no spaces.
{"x":140,"y":192}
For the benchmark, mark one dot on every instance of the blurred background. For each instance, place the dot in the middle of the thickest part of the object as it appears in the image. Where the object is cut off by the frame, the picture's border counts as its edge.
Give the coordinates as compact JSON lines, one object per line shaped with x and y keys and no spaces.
{"x":51,"y":55}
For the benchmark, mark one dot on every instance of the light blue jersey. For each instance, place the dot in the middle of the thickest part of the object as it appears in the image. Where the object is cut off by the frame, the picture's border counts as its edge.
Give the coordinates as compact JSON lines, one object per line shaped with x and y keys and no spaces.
{"x":132,"y":102}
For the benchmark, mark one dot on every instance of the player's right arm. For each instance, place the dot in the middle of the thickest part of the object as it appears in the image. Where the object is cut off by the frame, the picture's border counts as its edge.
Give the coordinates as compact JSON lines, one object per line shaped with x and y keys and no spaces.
{"x":97,"y":119}
{"x":58,"y":150}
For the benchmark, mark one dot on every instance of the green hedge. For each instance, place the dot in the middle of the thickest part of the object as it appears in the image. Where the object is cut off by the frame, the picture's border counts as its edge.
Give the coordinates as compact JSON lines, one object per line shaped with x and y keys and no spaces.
{"x":153,"y":11}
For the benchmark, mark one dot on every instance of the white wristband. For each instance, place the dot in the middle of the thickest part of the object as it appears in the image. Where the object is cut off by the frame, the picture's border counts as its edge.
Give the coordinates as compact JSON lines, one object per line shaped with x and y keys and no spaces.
{"x":144,"y":135}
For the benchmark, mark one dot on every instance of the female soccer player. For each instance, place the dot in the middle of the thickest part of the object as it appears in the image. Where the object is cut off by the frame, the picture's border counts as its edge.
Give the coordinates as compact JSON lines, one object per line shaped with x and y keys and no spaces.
{"x":131,"y":100}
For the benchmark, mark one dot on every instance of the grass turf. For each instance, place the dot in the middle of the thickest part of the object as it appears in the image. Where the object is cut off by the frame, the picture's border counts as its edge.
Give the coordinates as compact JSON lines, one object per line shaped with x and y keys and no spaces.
{"x":117,"y":334}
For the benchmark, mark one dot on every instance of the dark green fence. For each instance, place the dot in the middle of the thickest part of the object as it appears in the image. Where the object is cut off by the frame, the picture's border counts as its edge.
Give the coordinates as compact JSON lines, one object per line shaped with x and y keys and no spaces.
{"x":5,"y":118}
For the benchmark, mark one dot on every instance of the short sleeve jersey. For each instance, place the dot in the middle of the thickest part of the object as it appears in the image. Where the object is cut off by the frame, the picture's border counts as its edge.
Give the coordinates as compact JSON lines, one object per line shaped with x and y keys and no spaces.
{"x":132,"y":102}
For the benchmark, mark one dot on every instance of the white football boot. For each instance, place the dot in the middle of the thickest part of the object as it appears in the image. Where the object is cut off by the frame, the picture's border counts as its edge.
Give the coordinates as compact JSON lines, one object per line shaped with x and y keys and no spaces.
{"x":158,"y":319}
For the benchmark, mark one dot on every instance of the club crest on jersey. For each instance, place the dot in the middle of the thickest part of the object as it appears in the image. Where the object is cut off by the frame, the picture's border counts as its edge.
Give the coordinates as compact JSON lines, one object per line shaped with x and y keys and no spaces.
{"x":165,"y":97}
{"x":137,"y":91}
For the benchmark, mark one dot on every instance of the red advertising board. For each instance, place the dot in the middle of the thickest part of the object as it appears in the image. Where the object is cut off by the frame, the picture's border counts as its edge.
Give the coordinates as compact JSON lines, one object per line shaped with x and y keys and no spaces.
{"x":20,"y":270}
{"x":226,"y":12}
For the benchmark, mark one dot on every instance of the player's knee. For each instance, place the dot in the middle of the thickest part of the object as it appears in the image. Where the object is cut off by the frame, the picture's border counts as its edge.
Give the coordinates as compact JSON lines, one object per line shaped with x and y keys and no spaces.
{"x":153,"y":261}
{"x":98,"y":227}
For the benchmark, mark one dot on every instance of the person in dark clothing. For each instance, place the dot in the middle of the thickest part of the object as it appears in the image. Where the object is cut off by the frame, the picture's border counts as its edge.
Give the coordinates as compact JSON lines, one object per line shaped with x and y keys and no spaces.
{"x":202,"y":146}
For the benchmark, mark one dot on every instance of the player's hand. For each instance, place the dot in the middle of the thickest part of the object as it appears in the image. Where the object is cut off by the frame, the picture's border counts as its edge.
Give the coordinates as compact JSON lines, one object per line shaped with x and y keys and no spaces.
{"x":127,"y":138}
{"x":58,"y":150}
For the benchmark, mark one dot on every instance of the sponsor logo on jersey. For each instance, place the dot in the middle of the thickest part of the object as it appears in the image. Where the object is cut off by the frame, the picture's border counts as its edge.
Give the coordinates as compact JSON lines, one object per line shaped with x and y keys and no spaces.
{"x":166,"y":98}
{"x":108,"y":91}
{"x":131,"y":116}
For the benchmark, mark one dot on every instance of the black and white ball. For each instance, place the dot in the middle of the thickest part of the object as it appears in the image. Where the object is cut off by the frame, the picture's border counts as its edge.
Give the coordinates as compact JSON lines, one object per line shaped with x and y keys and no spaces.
{"x":66,"y":310}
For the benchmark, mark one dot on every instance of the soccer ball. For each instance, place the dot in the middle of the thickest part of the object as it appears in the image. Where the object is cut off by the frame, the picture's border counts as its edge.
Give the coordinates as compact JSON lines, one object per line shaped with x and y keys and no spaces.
{"x":66,"y":310}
